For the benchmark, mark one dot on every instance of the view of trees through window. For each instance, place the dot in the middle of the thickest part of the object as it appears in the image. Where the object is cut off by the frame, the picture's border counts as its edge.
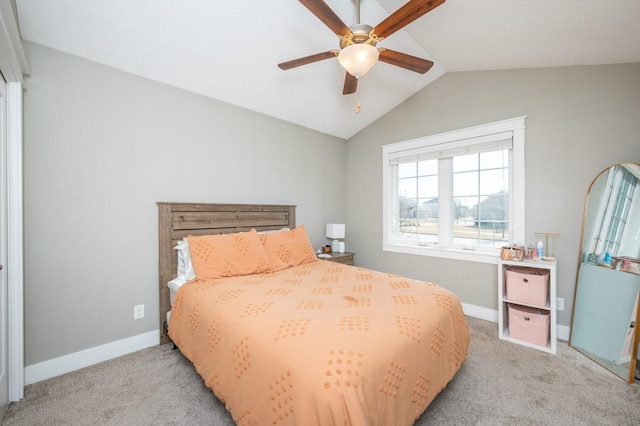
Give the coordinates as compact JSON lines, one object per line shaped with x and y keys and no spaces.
{"x":418,"y":201}
{"x":478,"y":196}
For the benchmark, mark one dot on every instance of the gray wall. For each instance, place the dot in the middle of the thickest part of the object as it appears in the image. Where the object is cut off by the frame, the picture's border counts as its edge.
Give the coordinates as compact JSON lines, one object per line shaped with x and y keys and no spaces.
{"x":580,"y":120}
{"x":101,"y":147}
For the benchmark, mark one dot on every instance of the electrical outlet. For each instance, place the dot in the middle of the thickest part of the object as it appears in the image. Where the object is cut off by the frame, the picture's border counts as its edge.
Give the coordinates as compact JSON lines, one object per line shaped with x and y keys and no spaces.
{"x":560,"y":304}
{"x":138,"y":312}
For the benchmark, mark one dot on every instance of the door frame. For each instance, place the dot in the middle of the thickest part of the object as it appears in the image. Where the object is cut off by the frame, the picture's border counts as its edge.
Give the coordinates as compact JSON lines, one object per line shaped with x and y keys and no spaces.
{"x":4,"y":303}
{"x":13,"y":64}
{"x":15,"y":249}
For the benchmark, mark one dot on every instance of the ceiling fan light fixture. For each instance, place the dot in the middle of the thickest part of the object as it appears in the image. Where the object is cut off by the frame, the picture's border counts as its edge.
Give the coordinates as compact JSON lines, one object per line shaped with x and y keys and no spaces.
{"x":358,"y":58}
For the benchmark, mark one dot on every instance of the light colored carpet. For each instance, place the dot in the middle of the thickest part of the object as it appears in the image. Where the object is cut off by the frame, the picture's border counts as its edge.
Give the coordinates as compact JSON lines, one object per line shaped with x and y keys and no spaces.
{"x":500,"y":383}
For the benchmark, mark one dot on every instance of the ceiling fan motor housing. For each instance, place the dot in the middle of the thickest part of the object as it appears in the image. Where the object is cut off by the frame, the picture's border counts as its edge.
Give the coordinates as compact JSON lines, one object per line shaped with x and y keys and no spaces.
{"x":360,"y":33}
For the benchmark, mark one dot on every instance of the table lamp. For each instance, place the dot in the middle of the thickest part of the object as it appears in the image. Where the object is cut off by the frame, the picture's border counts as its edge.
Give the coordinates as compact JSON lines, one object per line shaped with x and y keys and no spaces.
{"x":335,"y":232}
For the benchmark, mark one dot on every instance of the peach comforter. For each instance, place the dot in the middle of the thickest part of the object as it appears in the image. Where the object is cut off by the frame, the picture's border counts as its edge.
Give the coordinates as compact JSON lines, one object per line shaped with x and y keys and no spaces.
{"x":321,"y":344}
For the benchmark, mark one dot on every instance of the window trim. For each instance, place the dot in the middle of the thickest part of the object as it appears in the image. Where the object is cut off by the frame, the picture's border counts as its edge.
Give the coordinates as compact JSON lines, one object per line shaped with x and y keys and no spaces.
{"x":455,"y":139}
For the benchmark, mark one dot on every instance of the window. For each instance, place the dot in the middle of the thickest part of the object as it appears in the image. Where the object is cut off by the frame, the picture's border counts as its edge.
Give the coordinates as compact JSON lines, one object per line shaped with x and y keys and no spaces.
{"x":615,"y":211}
{"x":458,"y":194}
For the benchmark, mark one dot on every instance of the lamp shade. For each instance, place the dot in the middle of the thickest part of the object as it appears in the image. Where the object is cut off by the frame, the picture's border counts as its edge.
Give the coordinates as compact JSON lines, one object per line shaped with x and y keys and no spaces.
{"x":335,"y":230}
{"x":358,"y":58}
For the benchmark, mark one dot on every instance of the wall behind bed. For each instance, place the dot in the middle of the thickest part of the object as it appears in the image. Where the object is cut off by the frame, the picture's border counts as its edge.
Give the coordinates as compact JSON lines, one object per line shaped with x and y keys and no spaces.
{"x":101,"y":148}
{"x":580,"y":120}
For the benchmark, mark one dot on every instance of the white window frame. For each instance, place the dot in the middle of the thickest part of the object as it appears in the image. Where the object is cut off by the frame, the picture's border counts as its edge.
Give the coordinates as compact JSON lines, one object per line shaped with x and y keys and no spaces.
{"x":458,"y":140}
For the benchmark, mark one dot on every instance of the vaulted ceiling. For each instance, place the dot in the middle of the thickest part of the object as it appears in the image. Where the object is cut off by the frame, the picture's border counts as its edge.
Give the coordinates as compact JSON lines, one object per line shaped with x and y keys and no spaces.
{"x":229,"y":50}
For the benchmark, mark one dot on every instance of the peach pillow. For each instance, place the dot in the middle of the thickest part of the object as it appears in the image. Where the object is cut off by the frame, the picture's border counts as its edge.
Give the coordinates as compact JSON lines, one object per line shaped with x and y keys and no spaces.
{"x":228,"y":255}
{"x":288,"y":248}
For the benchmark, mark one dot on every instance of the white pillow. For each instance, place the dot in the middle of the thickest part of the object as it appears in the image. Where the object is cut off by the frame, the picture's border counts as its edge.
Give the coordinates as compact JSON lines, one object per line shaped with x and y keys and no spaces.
{"x":174,"y":285}
{"x":273,"y":231}
{"x":185,"y":268}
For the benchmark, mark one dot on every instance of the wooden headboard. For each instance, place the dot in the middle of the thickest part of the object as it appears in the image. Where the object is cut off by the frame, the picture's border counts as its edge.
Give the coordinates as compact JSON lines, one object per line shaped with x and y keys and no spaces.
{"x":178,"y":220}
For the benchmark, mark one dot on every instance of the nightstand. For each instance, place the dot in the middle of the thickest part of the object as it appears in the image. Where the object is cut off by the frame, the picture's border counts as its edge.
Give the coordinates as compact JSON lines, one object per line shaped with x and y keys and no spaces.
{"x":346,"y":258}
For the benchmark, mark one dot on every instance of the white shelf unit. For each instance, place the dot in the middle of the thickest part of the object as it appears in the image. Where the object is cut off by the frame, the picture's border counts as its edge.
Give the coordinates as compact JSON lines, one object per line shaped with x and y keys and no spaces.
{"x":503,"y":301}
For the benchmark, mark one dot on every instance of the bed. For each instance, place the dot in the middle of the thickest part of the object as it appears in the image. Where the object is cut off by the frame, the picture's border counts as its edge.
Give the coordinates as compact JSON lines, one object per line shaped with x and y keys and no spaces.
{"x":284,"y":338}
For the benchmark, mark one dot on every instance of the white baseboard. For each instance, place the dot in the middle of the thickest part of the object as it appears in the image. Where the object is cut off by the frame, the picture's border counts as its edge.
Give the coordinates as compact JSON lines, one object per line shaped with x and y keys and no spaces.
{"x":67,"y":363}
{"x":492,"y":315}
{"x":480,"y":312}
{"x":75,"y":361}
{"x":564,"y":332}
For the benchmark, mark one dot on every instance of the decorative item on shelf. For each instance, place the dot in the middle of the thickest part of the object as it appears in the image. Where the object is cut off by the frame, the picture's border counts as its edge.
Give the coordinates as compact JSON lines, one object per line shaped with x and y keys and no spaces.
{"x":326,"y":249}
{"x":549,"y":242}
{"x":335,"y":232}
{"x":627,"y":264}
{"x":512,"y":252}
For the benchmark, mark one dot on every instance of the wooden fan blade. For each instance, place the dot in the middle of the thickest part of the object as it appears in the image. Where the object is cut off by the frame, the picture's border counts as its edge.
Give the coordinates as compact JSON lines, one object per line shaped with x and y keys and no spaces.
{"x":350,"y":84}
{"x":308,"y":59}
{"x":403,"y":60}
{"x":404,"y":16}
{"x":327,"y":16}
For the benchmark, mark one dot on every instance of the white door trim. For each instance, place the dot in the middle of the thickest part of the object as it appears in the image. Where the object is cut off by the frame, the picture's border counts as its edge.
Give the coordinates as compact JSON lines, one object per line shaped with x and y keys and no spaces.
{"x":4,"y":308}
{"x":13,"y":63}
{"x":15,"y":250}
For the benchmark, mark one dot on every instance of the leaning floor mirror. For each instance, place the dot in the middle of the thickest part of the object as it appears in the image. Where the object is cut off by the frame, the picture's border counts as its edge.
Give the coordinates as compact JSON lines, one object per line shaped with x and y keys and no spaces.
{"x":605,"y":311}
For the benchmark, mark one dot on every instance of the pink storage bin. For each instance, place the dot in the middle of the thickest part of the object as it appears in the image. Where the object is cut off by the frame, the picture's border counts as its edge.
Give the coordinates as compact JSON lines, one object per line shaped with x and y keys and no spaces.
{"x":529,"y":324}
{"x":527,"y":285}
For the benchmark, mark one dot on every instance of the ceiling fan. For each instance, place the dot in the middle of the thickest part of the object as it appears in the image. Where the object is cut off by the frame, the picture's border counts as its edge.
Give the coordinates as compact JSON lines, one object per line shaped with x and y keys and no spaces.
{"x":357,"y":52}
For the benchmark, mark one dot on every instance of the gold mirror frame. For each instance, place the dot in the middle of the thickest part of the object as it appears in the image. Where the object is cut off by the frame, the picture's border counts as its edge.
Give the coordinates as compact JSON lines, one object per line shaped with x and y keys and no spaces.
{"x":619,"y":369}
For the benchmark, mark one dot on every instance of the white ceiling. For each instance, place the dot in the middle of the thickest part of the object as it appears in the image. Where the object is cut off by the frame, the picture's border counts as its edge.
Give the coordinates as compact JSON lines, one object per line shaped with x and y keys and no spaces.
{"x":229,"y":50}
